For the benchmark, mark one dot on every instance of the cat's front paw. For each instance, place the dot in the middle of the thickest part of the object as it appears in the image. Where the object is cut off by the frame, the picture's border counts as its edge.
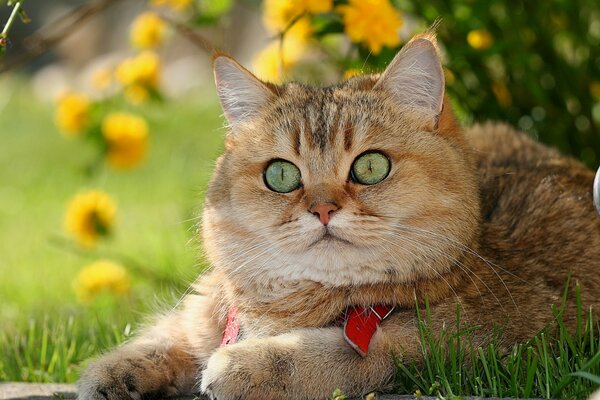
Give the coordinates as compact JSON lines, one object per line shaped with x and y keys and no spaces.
{"x":250,"y":371}
{"x":125,"y":375}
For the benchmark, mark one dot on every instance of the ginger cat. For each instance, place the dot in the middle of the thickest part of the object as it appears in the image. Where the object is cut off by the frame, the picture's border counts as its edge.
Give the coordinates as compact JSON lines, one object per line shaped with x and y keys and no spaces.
{"x":361,"y":194}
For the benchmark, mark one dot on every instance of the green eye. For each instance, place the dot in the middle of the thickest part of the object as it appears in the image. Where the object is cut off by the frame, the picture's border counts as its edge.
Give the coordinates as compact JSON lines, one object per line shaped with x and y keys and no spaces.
{"x":282,"y":176}
{"x":370,"y":168}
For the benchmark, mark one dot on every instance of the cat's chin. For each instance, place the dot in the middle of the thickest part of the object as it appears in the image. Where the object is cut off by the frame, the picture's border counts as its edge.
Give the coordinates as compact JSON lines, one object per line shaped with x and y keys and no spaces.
{"x":329,"y":239}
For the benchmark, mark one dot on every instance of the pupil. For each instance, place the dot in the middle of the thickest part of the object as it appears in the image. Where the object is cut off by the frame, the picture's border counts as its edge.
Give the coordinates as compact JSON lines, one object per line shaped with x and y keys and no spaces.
{"x":282,"y":173}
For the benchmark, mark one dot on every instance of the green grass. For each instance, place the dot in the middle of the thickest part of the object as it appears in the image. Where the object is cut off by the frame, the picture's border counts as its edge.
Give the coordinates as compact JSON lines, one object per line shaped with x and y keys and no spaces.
{"x":555,"y":364}
{"x":51,"y":349}
{"x":46,"y":336}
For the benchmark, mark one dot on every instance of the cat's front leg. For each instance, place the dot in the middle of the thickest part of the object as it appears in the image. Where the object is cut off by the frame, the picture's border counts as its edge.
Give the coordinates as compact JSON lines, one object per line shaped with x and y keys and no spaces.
{"x":136,"y":372}
{"x":302,"y":364}
{"x":155,"y":364}
{"x":163,"y":361}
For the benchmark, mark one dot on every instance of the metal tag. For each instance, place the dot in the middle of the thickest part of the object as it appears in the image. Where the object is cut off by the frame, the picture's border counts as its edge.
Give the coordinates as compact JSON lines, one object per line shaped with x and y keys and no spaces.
{"x":597,"y":191}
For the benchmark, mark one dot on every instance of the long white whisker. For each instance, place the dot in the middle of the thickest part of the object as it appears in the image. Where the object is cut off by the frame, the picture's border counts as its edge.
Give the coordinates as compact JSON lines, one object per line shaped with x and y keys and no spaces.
{"x":439,"y":274}
{"x":450,"y":241}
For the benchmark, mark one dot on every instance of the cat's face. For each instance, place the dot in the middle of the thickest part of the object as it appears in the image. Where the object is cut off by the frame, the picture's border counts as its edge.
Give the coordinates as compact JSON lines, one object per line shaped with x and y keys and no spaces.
{"x":350,"y":184}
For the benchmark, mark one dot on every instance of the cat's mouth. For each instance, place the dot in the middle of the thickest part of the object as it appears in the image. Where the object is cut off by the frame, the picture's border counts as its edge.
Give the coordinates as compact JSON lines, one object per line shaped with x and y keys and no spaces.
{"x":328,"y":237}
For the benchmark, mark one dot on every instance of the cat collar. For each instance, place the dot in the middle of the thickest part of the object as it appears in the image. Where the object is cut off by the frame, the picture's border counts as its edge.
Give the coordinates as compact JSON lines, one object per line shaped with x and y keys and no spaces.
{"x":232,"y":327}
{"x":360,"y":324}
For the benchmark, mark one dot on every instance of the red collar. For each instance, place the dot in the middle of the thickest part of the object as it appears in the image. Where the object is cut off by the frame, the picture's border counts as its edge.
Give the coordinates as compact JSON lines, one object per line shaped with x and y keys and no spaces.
{"x":360,"y":324}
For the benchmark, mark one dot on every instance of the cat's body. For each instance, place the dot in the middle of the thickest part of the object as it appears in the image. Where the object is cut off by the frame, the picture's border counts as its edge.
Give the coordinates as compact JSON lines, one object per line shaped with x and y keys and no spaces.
{"x":487,"y":219}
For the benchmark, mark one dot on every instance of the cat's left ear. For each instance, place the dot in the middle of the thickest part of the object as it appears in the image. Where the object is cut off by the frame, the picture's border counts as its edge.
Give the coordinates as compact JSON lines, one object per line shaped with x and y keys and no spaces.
{"x":415,"y":77}
{"x":242,"y":95}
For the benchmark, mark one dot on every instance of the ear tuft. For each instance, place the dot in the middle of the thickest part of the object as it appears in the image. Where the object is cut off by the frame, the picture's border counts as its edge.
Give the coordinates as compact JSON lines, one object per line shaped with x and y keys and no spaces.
{"x":415,"y":77}
{"x":241,"y":94}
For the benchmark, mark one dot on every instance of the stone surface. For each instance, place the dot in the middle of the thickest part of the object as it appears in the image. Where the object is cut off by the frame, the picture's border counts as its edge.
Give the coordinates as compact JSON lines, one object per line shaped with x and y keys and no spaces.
{"x":37,"y":391}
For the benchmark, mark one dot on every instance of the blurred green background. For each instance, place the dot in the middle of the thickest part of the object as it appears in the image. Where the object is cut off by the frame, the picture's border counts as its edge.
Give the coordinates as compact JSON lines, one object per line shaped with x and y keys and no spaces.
{"x":155,"y":234}
{"x":540,"y":72}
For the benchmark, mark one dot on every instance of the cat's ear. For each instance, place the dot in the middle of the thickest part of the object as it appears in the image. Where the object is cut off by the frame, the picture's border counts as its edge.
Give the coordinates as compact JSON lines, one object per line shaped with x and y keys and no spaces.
{"x":242,"y":94}
{"x":415,"y":77}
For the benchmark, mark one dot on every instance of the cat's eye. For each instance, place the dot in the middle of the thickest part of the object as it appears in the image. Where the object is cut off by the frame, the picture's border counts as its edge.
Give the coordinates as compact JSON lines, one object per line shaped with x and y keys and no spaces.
{"x":370,"y":168}
{"x":282,"y":176}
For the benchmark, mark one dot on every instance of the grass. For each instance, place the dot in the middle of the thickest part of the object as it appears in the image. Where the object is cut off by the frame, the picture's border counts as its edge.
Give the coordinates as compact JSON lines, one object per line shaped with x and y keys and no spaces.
{"x":555,"y":364}
{"x":51,"y":349}
{"x":47,"y":336}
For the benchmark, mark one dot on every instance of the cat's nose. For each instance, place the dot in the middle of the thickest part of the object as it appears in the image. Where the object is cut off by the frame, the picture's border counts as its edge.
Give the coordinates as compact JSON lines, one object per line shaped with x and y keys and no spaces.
{"x":324,"y":211}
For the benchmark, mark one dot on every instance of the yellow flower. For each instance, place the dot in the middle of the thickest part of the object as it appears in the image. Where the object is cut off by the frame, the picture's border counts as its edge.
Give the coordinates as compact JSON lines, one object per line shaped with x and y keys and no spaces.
{"x":89,"y":216}
{"x":271,"y":65}
{"x":101,"y":276}
{"x":136,"y":94}
{"x":102,"y":78}
{"x":126,"y":138}
{"x":147,"y":31}
{"x":375,"y":23}
{"x":351,"y":73}
{"x":278,"y":14}
{"x":143,"y":70}
{"x":177,"y":5}
{"x":300,"y":31}
{"x":480,"y":39}
{"x":318,"y":6}
{"x":268,"y":64}
{"x":72,"y":113}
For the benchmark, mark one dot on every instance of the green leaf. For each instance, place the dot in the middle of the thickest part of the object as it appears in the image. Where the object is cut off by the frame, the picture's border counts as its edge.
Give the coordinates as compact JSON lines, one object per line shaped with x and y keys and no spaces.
{"x":204,"y":20}
{"x":214,"y":8}
{"x":325,"y":24}
{"x":588,"y":376}
{"x":24,"y":17}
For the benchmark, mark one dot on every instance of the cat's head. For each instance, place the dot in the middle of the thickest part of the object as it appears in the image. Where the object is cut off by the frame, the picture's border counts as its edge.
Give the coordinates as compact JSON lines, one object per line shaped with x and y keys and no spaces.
{"x":363,"y":182}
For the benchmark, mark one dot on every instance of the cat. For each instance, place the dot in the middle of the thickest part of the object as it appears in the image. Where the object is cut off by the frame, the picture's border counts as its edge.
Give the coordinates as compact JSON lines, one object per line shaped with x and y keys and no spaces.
{"x":329,"y":200}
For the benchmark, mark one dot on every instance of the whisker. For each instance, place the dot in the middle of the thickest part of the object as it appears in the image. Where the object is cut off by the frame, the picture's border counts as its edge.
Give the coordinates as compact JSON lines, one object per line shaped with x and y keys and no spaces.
{"x":461,"y":265}
{"x":439,"y":274}
{"x":433,"y":235}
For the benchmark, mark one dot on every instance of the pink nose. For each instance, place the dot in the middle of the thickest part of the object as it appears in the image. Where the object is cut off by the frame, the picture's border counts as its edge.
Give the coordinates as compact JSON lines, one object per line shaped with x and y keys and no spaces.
{"x":324,"y":211}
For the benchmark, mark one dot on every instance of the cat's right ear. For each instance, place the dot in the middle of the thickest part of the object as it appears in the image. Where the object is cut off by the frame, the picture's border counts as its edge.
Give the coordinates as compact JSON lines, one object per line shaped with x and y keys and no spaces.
{"x":242,"y":94}
{"x":415,"y":77}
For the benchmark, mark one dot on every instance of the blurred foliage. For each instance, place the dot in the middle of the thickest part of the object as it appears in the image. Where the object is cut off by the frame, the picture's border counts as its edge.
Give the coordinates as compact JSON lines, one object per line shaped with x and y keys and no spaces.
{"x":541,"y":73}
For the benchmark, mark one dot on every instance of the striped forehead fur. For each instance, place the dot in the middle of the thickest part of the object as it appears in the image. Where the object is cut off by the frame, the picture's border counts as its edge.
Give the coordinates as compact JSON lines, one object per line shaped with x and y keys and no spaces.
{"x":322,"y":117}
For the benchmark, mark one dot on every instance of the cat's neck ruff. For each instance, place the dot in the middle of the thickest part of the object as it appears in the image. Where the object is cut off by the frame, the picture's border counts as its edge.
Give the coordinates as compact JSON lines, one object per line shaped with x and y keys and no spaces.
{"x":309,"y":303}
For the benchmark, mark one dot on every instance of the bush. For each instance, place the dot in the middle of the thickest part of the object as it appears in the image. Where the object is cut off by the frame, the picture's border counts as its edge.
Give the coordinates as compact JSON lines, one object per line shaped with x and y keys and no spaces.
{"x":539,"y":70}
